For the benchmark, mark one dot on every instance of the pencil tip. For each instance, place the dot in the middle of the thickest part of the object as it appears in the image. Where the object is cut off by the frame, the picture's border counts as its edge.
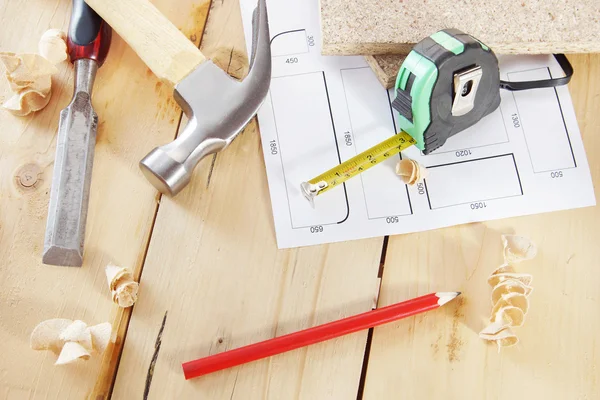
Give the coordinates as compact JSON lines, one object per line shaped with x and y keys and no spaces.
{"x":444,"y":297}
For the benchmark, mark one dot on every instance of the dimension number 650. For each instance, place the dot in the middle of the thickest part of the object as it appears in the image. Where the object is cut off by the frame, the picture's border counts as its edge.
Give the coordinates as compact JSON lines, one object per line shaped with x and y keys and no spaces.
{"x":316,"y":229}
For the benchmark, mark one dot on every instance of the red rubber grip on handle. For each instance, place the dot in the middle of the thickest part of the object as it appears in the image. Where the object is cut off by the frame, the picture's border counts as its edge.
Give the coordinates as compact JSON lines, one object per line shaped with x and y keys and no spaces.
{"x":96,"y":50}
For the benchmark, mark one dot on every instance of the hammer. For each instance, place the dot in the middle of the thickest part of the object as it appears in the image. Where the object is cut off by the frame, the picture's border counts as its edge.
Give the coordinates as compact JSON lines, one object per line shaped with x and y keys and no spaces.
{"x":218,"y":107}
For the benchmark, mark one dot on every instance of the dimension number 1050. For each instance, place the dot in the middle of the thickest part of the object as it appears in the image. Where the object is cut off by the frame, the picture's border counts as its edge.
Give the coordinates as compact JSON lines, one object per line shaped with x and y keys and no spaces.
{"x":478,"y":205}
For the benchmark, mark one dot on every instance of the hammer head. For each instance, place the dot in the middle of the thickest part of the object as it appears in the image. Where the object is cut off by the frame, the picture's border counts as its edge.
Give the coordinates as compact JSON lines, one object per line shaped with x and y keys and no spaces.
{"x":218,"y":107}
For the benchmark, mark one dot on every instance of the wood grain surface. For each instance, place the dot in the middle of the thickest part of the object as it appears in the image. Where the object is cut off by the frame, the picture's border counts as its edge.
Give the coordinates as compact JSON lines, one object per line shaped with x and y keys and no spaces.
{"x":559,"y":349}
{"x":136,"y":113}
{"x":213,"y":279}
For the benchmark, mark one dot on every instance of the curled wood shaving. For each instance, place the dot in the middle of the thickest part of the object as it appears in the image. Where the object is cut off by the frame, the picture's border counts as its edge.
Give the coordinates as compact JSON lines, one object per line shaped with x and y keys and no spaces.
{"x":71,"y":340}
{"x":518,"y":248}
{"x":100,"y":336}
{"x":510,"y":293}
{"x":511,"y":299}
{"x":53,"y":46}
{"x":78,"y":331}
{"x":46,"y":335}
{"x":410,"y":171}
{"x":122,"y":286}
{"x":72,"y":351}
{"x":26,"y":102}
{"x":507,"y":286}
{"x":510,"y":316}
{"x":30,"y":78}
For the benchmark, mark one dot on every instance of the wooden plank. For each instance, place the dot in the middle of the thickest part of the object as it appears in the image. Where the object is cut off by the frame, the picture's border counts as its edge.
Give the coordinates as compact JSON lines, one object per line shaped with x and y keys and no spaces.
{"x":164,"y":49}
{"x":136,"y":113}
{"x":559,"y":349}
{"x":386,"y":68}
{"x":214,"y":280}
{"x":512,"y":27}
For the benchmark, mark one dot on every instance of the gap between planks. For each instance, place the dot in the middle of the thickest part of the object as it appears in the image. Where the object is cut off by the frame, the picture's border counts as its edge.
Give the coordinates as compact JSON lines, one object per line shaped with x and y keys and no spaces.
{"x":108,"y":373}
{"x":365,"y":364}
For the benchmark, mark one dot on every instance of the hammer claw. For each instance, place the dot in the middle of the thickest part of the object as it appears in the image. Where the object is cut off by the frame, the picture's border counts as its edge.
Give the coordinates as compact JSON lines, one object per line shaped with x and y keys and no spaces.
{"x":218,"y":108}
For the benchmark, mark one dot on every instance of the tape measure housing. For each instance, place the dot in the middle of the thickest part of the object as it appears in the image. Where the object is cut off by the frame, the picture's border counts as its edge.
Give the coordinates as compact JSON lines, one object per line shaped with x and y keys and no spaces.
{"x":427,"y":83}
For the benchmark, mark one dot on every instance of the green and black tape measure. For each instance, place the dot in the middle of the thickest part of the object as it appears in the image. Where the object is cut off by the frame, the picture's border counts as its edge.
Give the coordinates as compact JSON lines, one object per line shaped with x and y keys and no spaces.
{"x":447,"y":83}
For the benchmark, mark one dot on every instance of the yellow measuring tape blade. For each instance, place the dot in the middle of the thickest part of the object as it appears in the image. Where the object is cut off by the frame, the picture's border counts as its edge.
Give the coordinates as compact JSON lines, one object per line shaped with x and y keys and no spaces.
{"x":357,"y":164}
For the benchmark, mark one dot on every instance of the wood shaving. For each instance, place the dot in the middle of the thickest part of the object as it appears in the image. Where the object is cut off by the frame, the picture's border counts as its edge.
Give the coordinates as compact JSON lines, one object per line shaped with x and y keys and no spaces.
{"x":26,"y":102}
{"x":509,"y":286}
{"x":72,"y":351}
{"x":71,"y":340}
{"x":410,"y":171}
{"x":510,"y":292}
{"x":510,"y":316}
{"x":53,"y":46}
{"x":511,"y":299}
{"x":100,"y":336}
{"x":493,"y":329}
{"x":78,"y":331}
{"x":518,"y":248}
{"x":122,"y":286}
{"x":30,"y":78}
{"x":495,"y":279}
{"x":46,"y":336}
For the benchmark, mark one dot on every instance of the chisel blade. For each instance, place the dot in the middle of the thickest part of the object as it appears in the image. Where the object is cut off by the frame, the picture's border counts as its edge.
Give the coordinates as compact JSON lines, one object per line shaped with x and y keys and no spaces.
{"x":67,"y":211}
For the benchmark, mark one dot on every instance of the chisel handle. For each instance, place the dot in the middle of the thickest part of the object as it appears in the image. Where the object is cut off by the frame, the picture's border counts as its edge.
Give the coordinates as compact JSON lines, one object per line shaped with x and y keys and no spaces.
{"x":164,"y":49}
{"x":89,"y":36}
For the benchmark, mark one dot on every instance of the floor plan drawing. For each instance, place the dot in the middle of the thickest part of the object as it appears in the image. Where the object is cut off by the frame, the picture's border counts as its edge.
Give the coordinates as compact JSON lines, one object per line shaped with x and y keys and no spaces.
{"x":526,"y":157}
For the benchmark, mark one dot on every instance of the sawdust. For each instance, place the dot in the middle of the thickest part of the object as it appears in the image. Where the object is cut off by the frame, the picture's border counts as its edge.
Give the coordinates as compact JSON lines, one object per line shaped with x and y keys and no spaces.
{"x":168,"y":109}
{"x":435,"y":346}
{"x":455,"y":343}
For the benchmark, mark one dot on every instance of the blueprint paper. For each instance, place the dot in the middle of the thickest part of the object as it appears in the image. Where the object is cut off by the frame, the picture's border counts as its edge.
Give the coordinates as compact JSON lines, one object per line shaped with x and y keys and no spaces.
{"x":527,"y":157}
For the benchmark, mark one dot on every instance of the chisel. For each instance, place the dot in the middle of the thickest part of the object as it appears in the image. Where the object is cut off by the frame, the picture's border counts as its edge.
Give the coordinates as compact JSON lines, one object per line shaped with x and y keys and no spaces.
{"x":88,"y":43}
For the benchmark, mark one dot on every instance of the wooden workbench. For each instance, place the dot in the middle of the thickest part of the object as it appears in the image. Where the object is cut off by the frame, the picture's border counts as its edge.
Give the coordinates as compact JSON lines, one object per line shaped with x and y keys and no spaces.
{"x":212,"y":278}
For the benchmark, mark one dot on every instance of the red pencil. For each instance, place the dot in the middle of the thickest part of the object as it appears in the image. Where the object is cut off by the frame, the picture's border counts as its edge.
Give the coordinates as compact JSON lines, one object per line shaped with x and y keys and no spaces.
{"x":278,"y":345}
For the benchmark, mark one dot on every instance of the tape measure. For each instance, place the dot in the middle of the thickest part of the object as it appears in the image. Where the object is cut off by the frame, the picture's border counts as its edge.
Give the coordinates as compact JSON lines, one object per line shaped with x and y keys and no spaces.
{"x":357,"y":164}
{"x":447,"y":83}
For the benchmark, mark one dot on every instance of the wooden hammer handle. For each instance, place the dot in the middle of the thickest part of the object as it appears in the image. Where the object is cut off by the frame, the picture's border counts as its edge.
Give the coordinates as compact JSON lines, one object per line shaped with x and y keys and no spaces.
{"x":164,"y":49}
